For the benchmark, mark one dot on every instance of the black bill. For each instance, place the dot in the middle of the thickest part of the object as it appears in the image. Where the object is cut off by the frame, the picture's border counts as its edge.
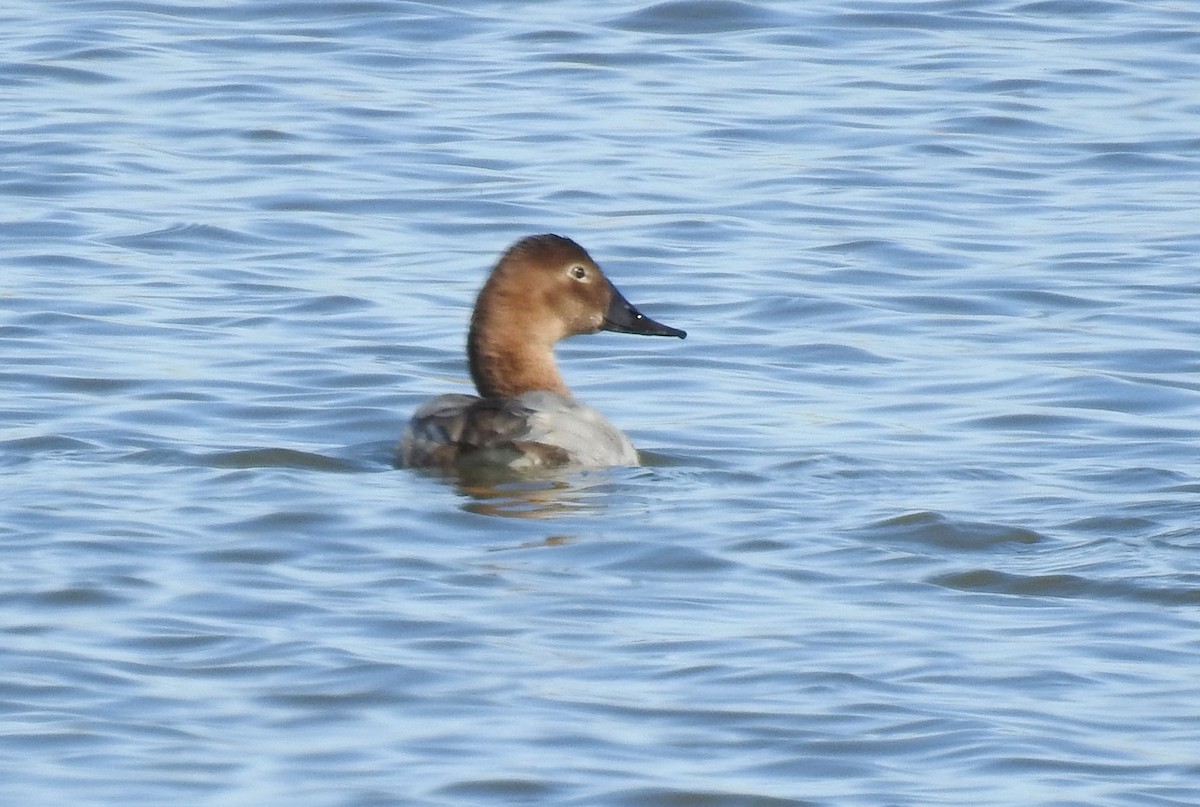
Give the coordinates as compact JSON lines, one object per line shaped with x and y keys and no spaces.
{"x":622,"y":317}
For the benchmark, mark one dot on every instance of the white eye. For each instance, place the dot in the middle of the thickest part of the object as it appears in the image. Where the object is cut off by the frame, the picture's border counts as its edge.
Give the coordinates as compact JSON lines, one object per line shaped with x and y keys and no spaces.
{"x":576,"y":271}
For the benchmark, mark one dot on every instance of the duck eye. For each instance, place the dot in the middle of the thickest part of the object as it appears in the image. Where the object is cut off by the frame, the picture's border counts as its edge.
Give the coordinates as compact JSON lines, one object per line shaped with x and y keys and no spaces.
{"x":578,"y":272}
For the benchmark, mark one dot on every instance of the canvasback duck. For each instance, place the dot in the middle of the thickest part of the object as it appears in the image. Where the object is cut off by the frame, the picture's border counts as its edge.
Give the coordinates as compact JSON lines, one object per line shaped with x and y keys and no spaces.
{"x":543,"y":289}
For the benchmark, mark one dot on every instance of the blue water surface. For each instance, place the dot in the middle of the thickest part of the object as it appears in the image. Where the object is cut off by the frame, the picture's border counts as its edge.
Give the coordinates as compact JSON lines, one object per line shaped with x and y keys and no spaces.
{"x":919,"y":517}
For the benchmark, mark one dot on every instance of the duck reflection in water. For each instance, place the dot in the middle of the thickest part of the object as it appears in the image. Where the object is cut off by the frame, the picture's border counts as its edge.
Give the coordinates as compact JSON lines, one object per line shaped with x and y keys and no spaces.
{"x":529,"y":498}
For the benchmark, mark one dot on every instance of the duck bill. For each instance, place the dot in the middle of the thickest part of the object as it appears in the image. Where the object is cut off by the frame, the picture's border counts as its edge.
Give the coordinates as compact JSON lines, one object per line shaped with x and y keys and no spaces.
{"x":622,"y":317}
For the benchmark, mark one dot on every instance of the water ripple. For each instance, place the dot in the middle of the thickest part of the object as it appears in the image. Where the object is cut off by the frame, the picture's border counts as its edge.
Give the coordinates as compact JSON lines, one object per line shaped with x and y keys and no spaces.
{"x":916,"y":521}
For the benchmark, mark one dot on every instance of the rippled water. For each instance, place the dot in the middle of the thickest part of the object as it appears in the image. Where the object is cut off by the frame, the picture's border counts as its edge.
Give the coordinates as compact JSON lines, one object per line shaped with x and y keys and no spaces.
{"x":919,"y":519}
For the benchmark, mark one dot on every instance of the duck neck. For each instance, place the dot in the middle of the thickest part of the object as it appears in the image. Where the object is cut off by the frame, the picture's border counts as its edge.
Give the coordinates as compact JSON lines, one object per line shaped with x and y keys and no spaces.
{"x":505,"y":364}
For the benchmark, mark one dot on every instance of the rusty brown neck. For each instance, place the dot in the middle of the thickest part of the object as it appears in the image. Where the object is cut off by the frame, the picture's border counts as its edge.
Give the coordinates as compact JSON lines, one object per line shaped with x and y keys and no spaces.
{"x":506,"y":358}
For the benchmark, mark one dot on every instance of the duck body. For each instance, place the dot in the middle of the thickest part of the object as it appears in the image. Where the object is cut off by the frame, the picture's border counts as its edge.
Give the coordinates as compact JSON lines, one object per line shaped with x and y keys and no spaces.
{"x":537,"y":429}
{"x":544,"y":289}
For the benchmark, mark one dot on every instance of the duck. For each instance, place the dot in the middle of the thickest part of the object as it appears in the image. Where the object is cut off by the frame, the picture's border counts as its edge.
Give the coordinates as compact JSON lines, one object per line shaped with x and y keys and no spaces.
{"x":543,"y":289}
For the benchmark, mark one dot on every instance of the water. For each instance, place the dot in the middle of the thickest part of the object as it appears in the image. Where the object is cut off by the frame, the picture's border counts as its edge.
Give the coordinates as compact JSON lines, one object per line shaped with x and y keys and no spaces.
{"x":918,"y":523}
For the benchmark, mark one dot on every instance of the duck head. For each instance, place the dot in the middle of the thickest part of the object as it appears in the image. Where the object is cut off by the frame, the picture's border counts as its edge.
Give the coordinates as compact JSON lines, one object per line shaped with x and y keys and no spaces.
{"x":543,"y":289}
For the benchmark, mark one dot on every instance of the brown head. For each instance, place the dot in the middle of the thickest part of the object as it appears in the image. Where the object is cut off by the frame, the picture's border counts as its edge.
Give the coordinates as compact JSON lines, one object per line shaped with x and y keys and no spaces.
{"x":543,"y":289}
